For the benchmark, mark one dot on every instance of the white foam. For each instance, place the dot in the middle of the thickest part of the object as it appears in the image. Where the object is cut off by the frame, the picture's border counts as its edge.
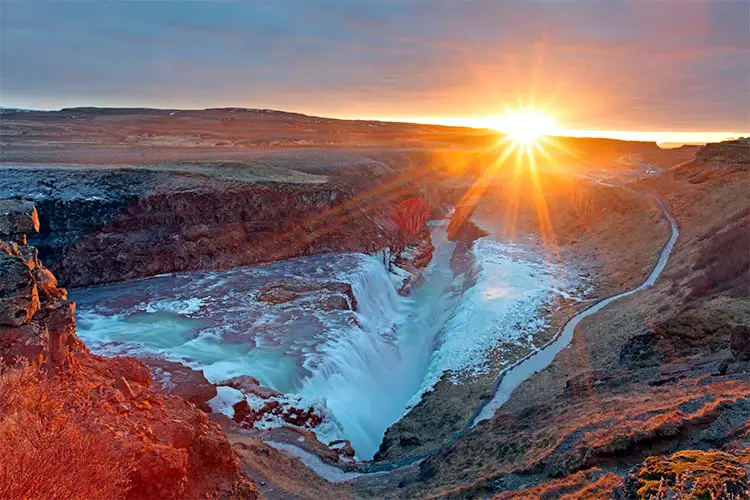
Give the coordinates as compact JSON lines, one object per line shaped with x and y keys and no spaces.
{"x":502,"y":306}
{"x":362,"y":369}
{"x":187,"y":306}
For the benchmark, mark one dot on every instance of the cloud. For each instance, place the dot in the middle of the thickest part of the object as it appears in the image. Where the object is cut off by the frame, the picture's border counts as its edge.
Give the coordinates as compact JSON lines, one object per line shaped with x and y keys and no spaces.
{"x":606,"y":64}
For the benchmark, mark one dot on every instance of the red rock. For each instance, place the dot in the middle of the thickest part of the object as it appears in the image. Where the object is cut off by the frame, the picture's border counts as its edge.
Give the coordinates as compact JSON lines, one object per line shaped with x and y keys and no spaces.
{"x":159,"y":471}
{"x":130,"y":369}
{"x":165,"y":445}
{"x":243,"y":413}
{"x":122,"y":385}
{"x":19,"y":299}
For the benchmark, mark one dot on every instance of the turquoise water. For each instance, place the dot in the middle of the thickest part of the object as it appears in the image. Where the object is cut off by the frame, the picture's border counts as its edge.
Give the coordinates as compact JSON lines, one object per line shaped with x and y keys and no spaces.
{"x":366,"y":367}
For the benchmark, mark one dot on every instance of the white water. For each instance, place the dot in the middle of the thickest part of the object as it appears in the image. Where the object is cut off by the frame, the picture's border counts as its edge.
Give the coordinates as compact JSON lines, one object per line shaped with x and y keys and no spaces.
{"x":366,"y":367}
{"x":327,"y":472}
{"x":543,"y":358}
{"x":502,"y":306}
{"x":358,"y":370}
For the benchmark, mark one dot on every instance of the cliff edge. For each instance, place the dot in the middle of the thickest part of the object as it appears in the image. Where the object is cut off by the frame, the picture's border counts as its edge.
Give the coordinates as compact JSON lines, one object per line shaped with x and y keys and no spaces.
{"x":76,"y":425}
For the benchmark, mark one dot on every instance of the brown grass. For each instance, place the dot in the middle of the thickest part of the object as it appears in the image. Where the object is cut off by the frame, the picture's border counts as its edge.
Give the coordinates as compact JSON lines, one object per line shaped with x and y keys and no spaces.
{"x":579,"y":435}
{"x":588,"y":484}
{"x":694,"y":474}
{"x":49,"y":453}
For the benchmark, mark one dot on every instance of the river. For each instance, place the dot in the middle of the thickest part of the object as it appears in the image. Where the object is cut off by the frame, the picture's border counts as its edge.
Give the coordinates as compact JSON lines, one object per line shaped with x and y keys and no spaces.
{"x":366,"y":368}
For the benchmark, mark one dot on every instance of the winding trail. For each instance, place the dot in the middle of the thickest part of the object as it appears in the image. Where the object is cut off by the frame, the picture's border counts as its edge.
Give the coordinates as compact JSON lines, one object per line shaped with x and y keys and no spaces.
{"x":516,"y":374}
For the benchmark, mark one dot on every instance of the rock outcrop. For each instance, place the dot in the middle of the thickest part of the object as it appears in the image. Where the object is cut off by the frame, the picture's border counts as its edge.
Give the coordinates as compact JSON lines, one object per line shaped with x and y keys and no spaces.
{"x":176,"y":379}
{"x":327,"y":296}
{"x":108,"y":225}
{"x":260,"y":407}
{"x":36,"y":319}
{"x":17,"y":219}
{"x":89,"y":411}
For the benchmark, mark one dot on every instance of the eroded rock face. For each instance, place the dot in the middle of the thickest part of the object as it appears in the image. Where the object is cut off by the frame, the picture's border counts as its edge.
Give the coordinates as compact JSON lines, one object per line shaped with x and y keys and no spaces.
{"x":18,"y":217}
{"x":163,"y":445}
{"x":36,"y":320}
{"x":19,"y":298}
{"x":108,"y":225}
{"x":725,"y":155}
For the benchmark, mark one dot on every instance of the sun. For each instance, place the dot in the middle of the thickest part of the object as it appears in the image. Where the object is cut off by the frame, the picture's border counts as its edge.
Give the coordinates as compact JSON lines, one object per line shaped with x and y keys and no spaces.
{"x":526,"y":126}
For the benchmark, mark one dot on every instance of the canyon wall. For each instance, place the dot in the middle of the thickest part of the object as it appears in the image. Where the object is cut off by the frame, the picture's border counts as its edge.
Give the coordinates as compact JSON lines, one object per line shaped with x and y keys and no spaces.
{"x":101,"y":226}
{"x":76,"y":425}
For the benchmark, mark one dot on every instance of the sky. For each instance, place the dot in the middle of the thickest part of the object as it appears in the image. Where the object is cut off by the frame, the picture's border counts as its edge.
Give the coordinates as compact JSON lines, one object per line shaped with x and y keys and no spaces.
{"x":598,"y":66}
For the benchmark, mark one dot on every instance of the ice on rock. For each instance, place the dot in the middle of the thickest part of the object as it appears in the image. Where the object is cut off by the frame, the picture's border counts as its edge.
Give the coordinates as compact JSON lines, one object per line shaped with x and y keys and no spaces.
{"x":225,"y":399}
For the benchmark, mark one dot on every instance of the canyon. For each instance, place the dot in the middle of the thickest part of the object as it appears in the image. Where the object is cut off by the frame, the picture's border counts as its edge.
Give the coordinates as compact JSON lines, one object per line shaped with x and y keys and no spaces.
{"x":266,"y":304}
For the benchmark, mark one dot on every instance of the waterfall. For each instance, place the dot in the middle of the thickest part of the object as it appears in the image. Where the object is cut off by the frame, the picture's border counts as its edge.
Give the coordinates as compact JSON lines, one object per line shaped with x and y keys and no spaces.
{"x":358,"y":370}
{"x":372,"y":373}
{"x":369,"y":365}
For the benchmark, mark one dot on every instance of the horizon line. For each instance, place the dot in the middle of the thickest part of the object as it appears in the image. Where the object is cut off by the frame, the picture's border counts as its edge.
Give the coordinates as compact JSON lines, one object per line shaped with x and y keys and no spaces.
{"x":692,"y":137}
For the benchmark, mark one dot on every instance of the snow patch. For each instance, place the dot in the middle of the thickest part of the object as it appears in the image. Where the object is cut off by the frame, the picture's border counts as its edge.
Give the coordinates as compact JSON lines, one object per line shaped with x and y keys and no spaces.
{"x":225,"y":399}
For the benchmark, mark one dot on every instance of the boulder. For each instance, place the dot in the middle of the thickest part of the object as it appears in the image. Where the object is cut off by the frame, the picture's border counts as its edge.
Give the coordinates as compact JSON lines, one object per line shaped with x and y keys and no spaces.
{"x":169,"y":377}
{"x":343,"y":447}
{"x":18,"y":217}
{"x":250,"y":385}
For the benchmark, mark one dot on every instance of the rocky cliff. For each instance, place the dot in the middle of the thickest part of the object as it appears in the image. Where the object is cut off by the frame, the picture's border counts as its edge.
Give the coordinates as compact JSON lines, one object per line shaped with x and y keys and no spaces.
{"x":76,"y":425}
{"x":106,"y":225}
